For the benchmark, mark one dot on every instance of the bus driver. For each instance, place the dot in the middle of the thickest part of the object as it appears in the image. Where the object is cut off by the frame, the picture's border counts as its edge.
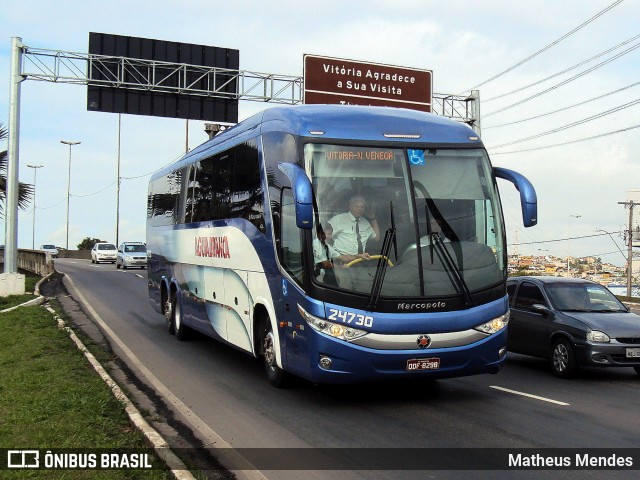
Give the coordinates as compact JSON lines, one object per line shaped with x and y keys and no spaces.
{"x":351,"y":230}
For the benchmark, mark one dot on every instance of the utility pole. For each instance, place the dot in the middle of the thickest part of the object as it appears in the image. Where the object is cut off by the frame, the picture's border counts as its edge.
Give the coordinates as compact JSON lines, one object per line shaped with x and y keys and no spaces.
{"x":629,"y":236}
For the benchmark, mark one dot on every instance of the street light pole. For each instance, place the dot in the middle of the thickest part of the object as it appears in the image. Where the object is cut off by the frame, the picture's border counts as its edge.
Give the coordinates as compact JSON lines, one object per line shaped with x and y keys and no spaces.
{"x":70,"y":143}
{"x":568,"y":240}
{"x":33,"y":228}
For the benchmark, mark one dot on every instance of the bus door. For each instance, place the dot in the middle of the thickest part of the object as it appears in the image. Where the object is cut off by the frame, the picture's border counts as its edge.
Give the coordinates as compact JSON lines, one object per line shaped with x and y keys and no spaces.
{"x":295,"y":335}
{"x":295,"y":329}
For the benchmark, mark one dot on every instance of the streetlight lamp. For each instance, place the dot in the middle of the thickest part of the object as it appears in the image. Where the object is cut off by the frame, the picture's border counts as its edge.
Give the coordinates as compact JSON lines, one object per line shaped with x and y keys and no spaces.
{"x":71,"y":144}
{"x":33,"y":228}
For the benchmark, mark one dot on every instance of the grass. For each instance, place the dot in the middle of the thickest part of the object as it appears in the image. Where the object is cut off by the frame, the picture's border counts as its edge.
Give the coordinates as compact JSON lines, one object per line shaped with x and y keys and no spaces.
{"x":51,"y":398}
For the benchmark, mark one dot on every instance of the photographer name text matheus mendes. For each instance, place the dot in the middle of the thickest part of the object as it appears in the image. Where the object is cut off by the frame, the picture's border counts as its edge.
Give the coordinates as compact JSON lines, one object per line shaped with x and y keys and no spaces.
{"x":578,"y":461}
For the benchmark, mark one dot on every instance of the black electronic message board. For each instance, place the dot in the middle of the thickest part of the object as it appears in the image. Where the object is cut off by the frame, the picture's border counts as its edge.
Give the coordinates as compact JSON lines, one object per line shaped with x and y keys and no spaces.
{"x":161,"y":90}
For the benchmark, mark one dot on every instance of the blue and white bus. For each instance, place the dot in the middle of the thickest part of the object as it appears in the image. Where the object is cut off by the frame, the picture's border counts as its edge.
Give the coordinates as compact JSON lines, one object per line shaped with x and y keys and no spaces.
{"x":232,"y":228}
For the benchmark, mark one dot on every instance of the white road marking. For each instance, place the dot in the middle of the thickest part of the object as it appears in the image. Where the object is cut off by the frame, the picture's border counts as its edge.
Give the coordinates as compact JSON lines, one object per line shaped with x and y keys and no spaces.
{"x":515,"y":392}
{"x":138,"y":275}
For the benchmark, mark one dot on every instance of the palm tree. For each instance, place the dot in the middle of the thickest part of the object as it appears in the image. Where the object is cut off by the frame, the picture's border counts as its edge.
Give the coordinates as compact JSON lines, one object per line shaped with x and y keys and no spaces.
{"x":25,"y":190}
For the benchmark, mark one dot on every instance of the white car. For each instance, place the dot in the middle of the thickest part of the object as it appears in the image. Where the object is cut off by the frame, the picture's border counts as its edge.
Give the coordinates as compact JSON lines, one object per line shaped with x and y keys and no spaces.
{"x":103,"y":252}
{"x":131,"y":254}
{"x":52,"y":249}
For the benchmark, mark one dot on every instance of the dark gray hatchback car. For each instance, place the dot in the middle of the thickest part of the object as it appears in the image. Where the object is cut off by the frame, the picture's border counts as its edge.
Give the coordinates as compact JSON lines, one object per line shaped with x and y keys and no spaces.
{"x":573,"y":323}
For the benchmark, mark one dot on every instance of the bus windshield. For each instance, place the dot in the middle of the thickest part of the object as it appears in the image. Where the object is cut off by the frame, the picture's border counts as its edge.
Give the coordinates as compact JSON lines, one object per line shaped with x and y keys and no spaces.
{"x":440,"y":204}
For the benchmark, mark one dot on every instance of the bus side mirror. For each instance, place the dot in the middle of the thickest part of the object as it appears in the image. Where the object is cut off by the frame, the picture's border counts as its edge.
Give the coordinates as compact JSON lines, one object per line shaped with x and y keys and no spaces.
{"x":528,"y":198}
{"x":302,"y":194}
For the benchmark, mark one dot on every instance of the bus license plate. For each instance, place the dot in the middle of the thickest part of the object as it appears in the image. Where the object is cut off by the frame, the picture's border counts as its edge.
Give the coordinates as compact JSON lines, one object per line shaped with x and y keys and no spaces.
{"x":417,"y":364}
{"x":633,"y":352}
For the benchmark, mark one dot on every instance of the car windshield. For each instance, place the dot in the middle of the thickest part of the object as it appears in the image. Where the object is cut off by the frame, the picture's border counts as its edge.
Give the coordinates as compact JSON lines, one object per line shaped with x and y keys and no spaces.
{"x":442,"y":203}
{"x":582,"y":297}
{"x":48,"y":247}
{"x":106,"y":246}
{"x":134,"y":248}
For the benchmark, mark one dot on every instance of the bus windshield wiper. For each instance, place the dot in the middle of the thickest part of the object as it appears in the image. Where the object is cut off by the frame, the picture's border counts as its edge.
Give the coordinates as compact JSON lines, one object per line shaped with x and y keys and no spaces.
{"x":383,"y":262}
{"x":381,"y":269}
{"x":436,"y":243}
{"x":452,"y":268}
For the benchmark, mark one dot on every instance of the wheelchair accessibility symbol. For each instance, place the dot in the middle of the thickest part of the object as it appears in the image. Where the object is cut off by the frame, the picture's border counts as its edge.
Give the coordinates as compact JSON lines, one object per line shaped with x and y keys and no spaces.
{"x":416,"y":157}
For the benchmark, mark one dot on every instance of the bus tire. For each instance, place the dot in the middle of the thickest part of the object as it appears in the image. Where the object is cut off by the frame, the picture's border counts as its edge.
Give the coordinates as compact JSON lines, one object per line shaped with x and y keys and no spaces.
{"x":168,"y":312}
{"x":277,"y":377}
{"x":179,"y":328}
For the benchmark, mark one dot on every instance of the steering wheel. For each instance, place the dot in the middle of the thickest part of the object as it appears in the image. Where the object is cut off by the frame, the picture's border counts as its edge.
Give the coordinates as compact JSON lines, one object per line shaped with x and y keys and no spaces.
{"x":372,"y":257}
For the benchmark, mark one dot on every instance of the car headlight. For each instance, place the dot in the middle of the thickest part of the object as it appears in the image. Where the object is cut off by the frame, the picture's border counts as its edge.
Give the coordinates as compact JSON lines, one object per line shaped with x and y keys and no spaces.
{"x":598,"y":337}
{"x":335,"y":330}
{"x":495,"y":325}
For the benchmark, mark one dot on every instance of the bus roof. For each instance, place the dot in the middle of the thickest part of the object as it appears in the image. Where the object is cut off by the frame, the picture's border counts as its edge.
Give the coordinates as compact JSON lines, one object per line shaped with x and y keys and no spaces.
{"x":346,"y":122}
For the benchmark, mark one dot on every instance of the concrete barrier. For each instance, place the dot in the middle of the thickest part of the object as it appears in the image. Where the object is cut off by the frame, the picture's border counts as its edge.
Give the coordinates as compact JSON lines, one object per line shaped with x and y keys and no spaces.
{"x":41,"y":263}
{"x":34,"y":261}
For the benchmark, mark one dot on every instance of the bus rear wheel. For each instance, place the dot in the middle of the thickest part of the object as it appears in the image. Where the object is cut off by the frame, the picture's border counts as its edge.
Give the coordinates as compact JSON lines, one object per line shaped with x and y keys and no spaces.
{"x":173,"y":316}
{"x":168,"y":312}
{"x":277,"y":377}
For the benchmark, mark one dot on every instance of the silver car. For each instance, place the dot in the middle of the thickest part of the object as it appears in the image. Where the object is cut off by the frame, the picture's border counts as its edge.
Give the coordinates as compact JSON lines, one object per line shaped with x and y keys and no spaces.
{"x":131,"y":254}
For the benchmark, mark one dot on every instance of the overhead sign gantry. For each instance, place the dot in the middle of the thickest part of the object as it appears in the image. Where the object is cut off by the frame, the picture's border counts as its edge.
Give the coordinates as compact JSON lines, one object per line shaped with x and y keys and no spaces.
{"x":391,"y":86}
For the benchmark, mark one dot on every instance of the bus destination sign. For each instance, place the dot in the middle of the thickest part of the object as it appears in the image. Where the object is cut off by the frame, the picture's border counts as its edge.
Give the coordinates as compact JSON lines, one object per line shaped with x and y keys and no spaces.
{"x":349,"y":82}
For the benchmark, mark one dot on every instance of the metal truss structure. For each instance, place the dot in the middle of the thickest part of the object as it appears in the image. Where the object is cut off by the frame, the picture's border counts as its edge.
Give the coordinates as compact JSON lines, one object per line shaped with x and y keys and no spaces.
{"x":151,"y":75}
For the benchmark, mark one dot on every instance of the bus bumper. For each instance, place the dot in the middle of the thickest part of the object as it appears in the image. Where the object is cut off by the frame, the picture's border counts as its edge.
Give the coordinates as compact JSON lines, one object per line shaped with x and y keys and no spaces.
{"x":336,"y":361}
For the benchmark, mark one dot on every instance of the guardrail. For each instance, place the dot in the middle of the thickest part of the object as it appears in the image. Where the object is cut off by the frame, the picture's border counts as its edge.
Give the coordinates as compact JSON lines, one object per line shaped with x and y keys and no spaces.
{"x":41,"y":263}
{"x":34,"y":261}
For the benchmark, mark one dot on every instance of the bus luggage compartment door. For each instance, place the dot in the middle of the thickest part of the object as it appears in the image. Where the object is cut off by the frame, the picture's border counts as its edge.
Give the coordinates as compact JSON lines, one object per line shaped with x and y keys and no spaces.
{"x":237,"y":301}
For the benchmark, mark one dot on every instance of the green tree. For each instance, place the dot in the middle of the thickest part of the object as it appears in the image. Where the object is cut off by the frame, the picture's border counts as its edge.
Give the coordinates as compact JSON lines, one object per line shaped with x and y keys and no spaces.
{"x":87,"y":243}
{"x":25,"y":190}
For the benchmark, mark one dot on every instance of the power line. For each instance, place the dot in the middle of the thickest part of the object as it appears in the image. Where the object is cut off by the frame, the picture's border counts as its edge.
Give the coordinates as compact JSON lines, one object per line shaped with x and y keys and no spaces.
{"x":561,"y":109}
{"x":153,"y":171}
{"x":533,"y":55}
{"x":571,"y":125}
{"x":94,"y":193}
{"x":568,"y":143}
{"x":563,"y":71}
{"x":564,"y":82}
{"x":562,"y":239}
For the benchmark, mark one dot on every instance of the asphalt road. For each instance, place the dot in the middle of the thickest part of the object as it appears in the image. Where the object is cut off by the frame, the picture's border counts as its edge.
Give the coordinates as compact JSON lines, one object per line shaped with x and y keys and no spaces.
{"x":224,"y":396}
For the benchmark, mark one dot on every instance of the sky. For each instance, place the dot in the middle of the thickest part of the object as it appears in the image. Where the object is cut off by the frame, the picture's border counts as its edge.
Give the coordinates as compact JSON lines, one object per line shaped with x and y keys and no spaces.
{"x":467,"y":44}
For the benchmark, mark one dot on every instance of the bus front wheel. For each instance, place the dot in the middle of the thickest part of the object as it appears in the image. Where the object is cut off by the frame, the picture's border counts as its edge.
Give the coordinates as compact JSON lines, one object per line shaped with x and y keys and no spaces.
{"x":277,"y":376}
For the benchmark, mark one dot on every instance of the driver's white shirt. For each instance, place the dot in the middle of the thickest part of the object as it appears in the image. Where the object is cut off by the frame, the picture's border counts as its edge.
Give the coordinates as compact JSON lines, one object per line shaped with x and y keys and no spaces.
{"x":344,"y":233}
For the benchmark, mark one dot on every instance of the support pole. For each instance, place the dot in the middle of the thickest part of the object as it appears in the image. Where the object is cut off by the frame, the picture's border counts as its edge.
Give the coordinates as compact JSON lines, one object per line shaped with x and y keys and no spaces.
{"x":629,"y":236}
{"x":118,"y":183}
{"x":11,"y":213}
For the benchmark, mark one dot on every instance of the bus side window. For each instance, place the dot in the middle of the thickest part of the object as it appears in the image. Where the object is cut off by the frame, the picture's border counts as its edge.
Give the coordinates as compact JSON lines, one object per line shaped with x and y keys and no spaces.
{"x":291,"y":244}
{"x":247,"y":187}
{"x":223,"y":164}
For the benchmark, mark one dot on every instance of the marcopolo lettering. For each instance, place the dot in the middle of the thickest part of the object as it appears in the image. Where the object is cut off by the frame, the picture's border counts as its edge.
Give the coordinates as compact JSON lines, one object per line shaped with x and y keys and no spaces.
{"x":421,"y":306}
{"x":217,"y":247}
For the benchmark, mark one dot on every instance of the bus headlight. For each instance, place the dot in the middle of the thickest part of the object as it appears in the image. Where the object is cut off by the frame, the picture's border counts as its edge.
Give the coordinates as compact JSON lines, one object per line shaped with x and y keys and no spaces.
{"x":495,"y":325}
{"x":335,"y":330}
